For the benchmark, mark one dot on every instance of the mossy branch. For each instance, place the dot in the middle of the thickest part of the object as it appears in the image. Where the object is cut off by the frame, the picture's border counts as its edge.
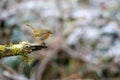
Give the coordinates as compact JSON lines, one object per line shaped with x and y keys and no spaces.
{"x":23,"y":48}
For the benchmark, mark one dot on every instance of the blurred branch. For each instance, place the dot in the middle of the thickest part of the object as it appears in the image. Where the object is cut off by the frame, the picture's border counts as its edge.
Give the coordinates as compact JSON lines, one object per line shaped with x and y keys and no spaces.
{"x":9,"y":73}
{"x":10,"y":70}
{"x":23,"y":48}
{"x":61,"y":19}
{"x":6,"y":76}
{"x":41,"y":68}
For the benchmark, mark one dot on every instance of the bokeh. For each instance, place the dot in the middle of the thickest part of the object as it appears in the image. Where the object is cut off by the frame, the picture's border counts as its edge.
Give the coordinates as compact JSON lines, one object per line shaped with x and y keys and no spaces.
{"x":85,"y":43}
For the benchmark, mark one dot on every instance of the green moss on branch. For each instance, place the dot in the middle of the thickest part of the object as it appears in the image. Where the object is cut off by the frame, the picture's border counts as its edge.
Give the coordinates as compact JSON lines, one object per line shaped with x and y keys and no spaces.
{"x":23,"y":48}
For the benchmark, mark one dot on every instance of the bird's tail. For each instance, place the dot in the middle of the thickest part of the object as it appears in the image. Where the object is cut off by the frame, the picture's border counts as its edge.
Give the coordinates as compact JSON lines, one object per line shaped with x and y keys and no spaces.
{"x":28,"y":25}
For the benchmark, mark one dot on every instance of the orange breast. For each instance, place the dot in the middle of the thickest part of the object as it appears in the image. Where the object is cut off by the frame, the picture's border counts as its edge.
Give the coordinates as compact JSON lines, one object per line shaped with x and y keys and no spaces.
{"x":47,"y":35}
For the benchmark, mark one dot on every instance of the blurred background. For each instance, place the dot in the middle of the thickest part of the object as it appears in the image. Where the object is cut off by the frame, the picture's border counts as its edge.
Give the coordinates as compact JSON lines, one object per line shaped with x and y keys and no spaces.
{"x":85,"y":43}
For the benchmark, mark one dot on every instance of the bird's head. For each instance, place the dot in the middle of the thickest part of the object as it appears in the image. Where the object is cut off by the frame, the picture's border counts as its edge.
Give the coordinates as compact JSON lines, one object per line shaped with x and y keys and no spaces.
{"x":48,"y":31}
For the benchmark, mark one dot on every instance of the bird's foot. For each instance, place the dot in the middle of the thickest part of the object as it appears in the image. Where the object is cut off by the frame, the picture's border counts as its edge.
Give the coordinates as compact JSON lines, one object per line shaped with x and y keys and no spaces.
{"x":43,"y":43}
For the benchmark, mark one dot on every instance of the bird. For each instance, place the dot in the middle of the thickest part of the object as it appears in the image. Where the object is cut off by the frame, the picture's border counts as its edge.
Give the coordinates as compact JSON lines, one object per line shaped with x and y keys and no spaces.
{"x":40,"y":34}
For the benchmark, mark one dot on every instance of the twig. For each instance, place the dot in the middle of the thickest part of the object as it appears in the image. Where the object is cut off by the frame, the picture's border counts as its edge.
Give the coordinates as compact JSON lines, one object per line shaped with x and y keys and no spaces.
{"x":10,"y":70}
{"x":41,"y":68}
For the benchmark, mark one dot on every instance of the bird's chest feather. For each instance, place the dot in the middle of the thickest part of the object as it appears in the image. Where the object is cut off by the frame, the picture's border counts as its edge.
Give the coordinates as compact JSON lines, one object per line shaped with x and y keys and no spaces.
{"x":47,"y":35}
{"x":44,"y":36}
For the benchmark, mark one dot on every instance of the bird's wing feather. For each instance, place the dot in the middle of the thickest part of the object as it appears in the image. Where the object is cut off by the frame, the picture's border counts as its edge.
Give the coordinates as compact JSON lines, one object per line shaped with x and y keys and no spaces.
{"x":43,"y":37}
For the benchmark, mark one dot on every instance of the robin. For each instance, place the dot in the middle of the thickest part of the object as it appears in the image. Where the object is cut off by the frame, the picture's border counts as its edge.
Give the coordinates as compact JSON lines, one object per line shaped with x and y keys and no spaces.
{"x":41,"y":33}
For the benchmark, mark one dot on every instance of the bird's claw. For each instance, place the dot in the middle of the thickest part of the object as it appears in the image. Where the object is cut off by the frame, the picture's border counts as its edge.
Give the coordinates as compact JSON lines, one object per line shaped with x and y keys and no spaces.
{"x":43,"y":43}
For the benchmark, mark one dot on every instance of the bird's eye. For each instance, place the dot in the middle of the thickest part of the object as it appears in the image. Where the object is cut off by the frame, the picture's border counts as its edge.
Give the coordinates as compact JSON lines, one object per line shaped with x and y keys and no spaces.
{"x":50,"y":32}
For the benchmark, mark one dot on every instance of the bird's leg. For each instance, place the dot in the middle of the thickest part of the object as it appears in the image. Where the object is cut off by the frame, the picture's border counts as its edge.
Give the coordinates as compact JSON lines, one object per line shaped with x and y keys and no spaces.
{"x":43,"y":43}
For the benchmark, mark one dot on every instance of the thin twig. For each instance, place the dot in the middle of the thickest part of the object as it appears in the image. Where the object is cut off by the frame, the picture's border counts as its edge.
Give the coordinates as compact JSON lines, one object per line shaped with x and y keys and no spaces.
{"x":41,"y":68}
{"x":10,"y":70}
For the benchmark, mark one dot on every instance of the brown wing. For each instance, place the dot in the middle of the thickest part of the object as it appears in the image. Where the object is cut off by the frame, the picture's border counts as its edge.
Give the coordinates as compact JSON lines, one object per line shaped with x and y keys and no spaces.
{"x":38,"y":33}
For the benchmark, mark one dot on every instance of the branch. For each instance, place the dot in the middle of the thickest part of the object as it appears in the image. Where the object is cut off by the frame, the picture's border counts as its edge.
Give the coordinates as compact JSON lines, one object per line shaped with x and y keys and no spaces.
{"x":23,"y":48}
